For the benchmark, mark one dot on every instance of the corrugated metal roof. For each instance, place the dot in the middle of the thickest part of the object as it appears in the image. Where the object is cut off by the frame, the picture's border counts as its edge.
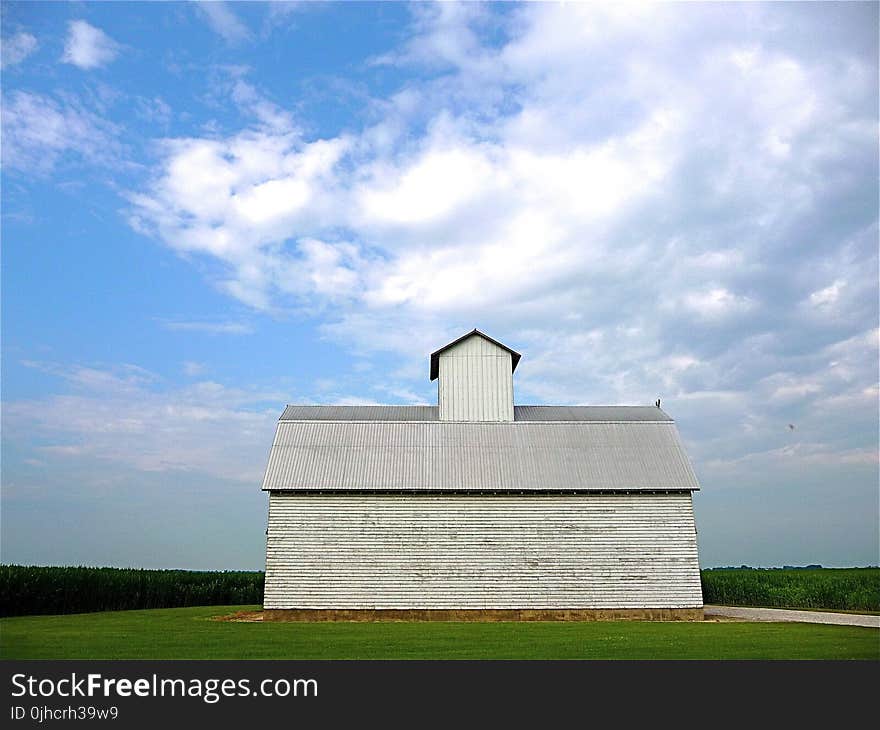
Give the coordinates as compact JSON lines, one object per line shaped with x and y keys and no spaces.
{"x":589,"y":413}
{"x":431,"y":413}
{"x":437,"y":455}
{"x":360,"y":413}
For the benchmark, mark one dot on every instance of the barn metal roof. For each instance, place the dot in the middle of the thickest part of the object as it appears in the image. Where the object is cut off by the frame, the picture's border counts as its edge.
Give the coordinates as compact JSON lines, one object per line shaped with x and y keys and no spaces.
{"x":524,"y":455}
{"x":360,"y":413}
{"x":435,"y":356}
{"x":431,"y":413}
{"x":589,"y":413}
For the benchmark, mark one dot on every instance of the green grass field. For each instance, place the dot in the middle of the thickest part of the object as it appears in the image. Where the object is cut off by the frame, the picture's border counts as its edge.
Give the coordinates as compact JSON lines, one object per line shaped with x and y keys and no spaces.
{"x":190,"y":633}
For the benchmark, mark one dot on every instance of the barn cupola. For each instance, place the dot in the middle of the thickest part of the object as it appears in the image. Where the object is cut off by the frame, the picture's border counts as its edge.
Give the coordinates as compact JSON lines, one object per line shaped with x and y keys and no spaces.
{"x":475,"y":376}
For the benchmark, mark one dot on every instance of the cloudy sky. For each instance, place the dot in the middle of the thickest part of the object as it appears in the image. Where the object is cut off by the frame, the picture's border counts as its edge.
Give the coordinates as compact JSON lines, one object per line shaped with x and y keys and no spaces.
{"x":211,"y":210}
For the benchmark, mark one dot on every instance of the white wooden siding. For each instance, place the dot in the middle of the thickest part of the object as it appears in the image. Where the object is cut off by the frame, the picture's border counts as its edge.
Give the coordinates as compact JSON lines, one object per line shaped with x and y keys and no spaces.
{"x":475,"y":382}
{"x":481,"y":551}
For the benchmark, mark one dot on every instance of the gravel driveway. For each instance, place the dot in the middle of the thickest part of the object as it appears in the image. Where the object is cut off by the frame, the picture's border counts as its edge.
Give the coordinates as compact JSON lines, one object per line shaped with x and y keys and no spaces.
{"x":784,"y":614}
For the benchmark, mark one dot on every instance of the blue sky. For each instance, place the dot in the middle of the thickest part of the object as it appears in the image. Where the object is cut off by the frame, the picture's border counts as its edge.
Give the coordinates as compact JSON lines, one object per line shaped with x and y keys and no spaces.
{"x":211,"y":210}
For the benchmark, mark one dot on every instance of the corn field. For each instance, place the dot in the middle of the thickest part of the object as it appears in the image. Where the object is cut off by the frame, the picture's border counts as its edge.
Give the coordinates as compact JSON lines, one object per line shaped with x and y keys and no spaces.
{"x":28,"y":590}
{"x":842,"y":589}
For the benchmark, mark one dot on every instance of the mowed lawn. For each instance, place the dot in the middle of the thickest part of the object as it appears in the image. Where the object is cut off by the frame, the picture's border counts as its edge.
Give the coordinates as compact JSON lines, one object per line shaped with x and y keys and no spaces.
{"x":191,"y":633}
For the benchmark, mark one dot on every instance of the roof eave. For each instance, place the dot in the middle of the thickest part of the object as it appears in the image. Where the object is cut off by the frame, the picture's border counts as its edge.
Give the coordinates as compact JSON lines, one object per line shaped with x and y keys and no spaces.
{"x":517,"y":491}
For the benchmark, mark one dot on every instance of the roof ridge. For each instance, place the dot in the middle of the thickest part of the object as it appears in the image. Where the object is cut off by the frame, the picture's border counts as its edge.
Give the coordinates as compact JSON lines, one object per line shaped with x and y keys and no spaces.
{"x":361,"y":405}
{"x":584,"y":405}
{"x":388,"y":412}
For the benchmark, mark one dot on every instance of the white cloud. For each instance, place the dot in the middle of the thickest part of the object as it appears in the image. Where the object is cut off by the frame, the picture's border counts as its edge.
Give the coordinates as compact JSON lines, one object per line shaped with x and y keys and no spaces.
{"x":38,"y":131}
{"x":352,"y":400}
{"x":154,"y":110}
{"x":224,"y":22}
{"x":271,"y":116}
{"x":827,"y":296}
{"x":211,"y":328}
{"x":453,"y":209}
{"x":716,"y":303}
{"x":192,"y":368}
{"x":88,"y":47}
{"x":798,"y":455}
{"x":443,"y":36}
{"x":133,"y":419}
{"x":237,"y":199}
{"x":331,"y":268}
{"x":16,"y":48}
{"x":435,"y":186}
{"x":788,"y":387}
{"x":468,"y":213}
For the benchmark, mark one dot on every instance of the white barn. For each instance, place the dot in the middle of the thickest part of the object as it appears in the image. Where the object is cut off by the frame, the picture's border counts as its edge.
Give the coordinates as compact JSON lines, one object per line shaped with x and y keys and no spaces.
{"x":479,"y":509}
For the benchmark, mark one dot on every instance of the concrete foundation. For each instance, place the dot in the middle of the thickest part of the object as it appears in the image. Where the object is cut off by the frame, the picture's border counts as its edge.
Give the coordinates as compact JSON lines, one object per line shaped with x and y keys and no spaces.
{"x":484,"y":614}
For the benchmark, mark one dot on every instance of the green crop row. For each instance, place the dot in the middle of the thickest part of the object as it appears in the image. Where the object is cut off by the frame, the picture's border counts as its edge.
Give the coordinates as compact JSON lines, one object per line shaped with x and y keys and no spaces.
{"x":842,"y":589}
{"x":30,"y":590}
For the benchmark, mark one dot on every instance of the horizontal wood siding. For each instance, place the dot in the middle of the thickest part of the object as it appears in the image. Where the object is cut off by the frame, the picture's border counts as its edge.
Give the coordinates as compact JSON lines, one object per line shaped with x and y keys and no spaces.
{"x":334,"y":551}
